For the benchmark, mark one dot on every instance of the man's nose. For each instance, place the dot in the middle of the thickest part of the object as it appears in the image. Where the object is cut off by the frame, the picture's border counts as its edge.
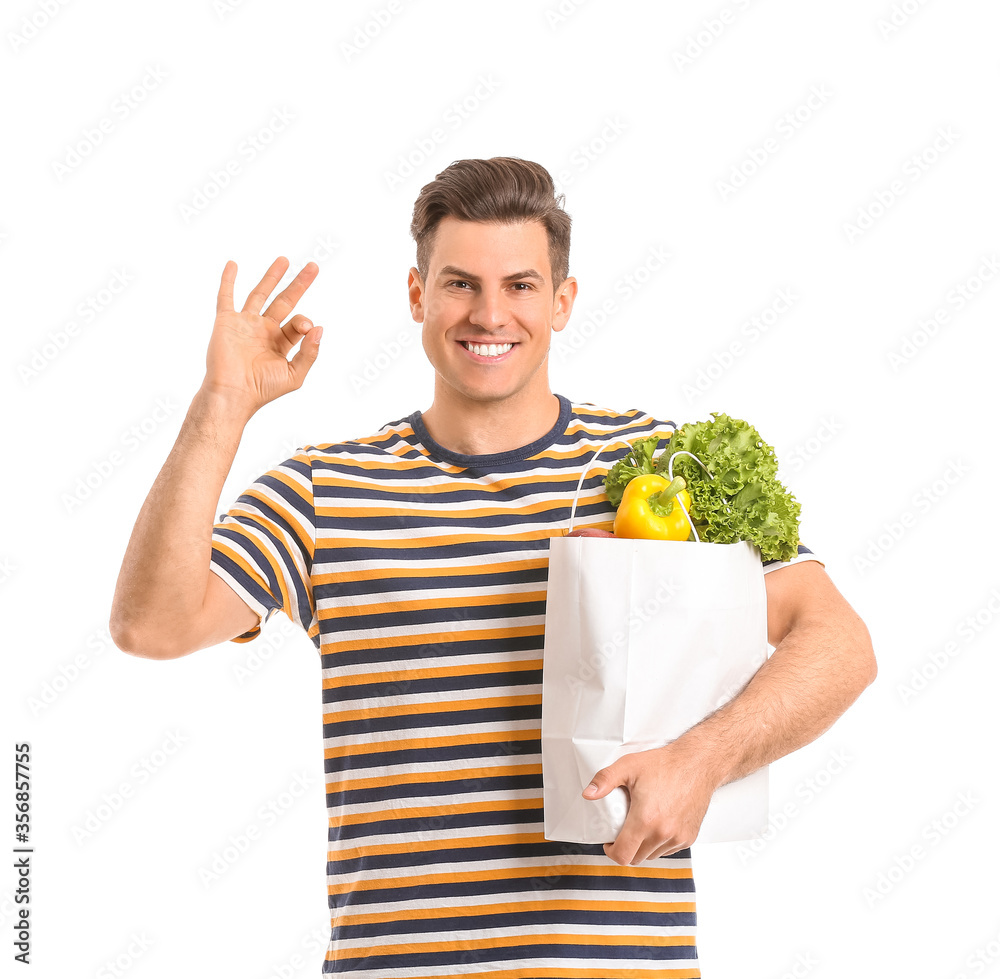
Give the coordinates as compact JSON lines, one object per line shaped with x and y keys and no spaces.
{"x":489,"y":311}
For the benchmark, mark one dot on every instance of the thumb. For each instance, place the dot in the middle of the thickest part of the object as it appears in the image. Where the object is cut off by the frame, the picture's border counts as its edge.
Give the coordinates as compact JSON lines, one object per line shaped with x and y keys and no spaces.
{"x":306,"y":355}
{"x":602,"y":783}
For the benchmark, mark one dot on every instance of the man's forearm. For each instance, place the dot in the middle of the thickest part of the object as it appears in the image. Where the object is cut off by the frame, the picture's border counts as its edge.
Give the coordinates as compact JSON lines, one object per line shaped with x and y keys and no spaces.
{"x":814,"y":674}
{"x":165,"y":570}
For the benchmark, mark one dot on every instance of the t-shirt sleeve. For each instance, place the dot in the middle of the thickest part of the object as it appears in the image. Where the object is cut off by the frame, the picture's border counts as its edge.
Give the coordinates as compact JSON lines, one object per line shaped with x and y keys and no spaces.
{"x":804,"y":554}
{"x":263,"y":545}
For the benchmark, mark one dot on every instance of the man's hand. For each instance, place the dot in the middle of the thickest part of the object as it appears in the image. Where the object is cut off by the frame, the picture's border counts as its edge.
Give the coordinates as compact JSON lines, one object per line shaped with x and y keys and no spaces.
{"x":247,"y":354}
{"x":668,"y":795}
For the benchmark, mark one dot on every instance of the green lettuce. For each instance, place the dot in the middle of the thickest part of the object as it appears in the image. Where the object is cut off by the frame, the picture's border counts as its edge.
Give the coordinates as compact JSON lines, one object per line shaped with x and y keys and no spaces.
{"x":742,"y":501}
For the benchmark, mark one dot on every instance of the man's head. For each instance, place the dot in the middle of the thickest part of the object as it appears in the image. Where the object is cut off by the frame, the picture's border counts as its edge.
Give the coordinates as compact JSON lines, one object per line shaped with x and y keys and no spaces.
{"x":486,"y":295}
{"x":503,"y":190}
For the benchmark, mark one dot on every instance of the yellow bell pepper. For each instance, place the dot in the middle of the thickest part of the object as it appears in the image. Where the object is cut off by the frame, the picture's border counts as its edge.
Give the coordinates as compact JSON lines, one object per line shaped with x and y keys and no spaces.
{"x":649,"y":509}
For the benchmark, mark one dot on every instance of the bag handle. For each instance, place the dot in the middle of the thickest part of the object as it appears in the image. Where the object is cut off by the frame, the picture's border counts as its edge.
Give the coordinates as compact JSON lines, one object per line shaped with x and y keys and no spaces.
{"x":670,"y":475}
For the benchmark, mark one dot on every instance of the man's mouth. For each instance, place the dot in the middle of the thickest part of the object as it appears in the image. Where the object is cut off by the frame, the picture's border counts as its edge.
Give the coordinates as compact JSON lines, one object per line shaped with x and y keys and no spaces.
{"x":487,"y":349}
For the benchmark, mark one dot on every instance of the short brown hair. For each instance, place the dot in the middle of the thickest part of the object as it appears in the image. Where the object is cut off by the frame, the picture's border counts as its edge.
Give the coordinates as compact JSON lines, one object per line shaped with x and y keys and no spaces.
{"x":502,"y":190}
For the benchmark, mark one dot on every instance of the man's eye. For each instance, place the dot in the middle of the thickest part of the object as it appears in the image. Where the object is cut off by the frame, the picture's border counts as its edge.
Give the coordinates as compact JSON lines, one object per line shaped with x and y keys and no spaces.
{"x":458,"y":282}
{"x":525,"y":284}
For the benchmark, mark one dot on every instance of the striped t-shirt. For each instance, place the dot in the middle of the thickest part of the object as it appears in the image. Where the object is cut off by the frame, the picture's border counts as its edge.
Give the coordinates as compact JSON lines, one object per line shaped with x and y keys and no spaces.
{"x":420,"y":576}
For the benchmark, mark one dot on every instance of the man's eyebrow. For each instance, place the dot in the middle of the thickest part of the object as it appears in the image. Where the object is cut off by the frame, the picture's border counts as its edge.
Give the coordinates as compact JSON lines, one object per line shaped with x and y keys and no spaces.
{"x":462,"y":274}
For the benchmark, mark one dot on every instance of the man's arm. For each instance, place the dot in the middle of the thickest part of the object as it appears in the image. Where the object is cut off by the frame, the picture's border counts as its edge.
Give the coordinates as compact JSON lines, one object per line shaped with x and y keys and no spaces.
{"x":167,"y":601}
{"x":822,"y":661}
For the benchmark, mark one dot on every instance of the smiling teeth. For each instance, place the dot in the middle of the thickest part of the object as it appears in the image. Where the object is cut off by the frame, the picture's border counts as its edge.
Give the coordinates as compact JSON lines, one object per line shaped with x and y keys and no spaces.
{"x":488,"y":350}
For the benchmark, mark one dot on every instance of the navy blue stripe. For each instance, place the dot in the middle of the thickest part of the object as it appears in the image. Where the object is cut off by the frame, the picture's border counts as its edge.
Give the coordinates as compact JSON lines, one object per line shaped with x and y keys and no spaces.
{"x":469,"y":957}
{"x":419,"y":790}
{"x":405,"y":618}
{"x":595,"y":920}
{"x":389,"y":686}
{"x":457,"y":647}
{"x":375,"y":586}
{"x":455,"y":890}
{"x":250,"y":584}
{"x":434,"y":824}
{"x":416,"y":720}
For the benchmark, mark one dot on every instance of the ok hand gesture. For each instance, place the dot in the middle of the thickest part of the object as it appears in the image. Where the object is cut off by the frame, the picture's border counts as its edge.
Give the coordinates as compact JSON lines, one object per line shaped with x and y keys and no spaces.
{"x":247,"y":359}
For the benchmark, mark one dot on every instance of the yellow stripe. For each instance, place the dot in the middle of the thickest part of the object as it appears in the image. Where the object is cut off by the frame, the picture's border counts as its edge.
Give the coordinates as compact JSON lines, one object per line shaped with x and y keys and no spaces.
{"x":501,"y":567}
{"x":422,"y":846}
{"x":433,"y":638}
{"x":525,"y":942}
{"x":366,"y":747}
{"x":406,"y":676}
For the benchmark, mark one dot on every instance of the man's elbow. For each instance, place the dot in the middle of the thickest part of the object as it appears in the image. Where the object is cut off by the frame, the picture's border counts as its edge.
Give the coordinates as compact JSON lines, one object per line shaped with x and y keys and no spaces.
{"x":867,"y":665}
{"x":131,"y":639}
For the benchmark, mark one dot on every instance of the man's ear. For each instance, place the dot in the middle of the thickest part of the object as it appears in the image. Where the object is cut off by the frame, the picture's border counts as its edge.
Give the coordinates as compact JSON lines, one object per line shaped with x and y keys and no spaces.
{"x":562,"y":303}
{"x":415,"y":286}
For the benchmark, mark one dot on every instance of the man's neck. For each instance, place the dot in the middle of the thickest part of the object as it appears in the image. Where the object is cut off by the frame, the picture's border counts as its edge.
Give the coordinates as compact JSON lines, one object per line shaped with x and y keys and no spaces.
{"x":489,"y":427}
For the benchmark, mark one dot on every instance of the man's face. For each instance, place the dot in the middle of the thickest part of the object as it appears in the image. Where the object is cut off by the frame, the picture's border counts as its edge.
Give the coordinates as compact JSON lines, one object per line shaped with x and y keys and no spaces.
{"x":488,"y":311}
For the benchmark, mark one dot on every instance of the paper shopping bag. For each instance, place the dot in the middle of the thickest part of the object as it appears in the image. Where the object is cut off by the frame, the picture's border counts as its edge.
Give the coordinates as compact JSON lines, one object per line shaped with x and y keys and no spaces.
{"x":643,"y":639}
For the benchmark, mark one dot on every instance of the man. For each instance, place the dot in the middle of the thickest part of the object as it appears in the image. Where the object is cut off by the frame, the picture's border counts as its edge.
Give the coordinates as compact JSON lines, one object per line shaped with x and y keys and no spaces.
{"x":416,"y":560}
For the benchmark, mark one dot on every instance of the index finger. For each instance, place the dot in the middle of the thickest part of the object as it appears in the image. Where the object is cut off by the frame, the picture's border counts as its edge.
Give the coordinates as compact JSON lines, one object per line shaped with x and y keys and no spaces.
{"x":285,"y":301}
{"x":224,"y":304}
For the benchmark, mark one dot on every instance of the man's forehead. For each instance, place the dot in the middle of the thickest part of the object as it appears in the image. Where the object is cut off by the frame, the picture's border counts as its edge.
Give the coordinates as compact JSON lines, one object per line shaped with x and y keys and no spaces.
{"x":456,"y":242}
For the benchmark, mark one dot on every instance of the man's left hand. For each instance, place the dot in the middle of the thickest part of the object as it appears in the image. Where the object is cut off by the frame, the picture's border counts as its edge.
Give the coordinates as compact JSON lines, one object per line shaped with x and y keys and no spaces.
{"x":668,"y":793}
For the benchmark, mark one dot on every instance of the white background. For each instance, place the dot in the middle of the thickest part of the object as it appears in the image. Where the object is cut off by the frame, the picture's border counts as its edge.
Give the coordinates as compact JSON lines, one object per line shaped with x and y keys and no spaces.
{"x":868,"y":427}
